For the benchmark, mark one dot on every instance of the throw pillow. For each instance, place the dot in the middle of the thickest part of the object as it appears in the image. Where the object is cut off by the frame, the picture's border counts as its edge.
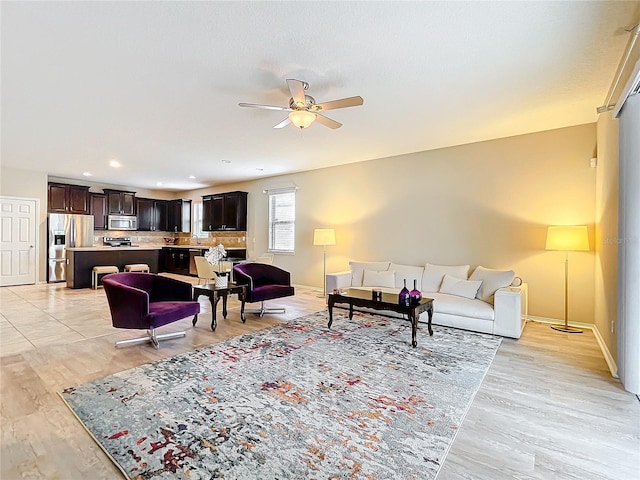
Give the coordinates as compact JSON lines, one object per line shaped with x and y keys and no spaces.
{"x":408,"y":273}
{"x":358,"y":268}
{"x":384,"y":278}
{"x":492,"y":280}
{"x":459,"y":287}
{"x":433,"y":275}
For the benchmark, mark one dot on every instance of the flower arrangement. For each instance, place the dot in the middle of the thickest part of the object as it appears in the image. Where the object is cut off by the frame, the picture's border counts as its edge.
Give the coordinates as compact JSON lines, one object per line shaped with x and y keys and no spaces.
{"x":215,"y":255}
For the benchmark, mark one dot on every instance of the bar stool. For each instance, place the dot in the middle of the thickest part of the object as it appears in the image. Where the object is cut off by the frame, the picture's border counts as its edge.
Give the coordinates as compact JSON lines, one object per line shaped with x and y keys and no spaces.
{"x":137,"y":267}
{"x":101,"y":270}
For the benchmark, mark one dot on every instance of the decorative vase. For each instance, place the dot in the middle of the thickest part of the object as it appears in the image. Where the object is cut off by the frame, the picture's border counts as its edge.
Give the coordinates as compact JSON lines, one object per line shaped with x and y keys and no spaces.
{"x":415,"y":295}
{"x":222,"y":281}
{"x":403,"y":296}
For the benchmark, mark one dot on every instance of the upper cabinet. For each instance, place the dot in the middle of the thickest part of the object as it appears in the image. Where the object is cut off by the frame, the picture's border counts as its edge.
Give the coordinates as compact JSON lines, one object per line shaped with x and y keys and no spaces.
{"x":224,"y":211}
{"x":152,"y":214}
{"x":98,"y":208}
{"x":120,"y":202}
{"x":179,"y":216}
{"x":63,"y":198}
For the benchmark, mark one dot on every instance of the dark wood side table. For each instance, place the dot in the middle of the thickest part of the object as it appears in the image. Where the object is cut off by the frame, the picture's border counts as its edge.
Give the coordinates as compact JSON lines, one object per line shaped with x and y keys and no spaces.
{"x":215,"y":293}
{"x":362,"y":298}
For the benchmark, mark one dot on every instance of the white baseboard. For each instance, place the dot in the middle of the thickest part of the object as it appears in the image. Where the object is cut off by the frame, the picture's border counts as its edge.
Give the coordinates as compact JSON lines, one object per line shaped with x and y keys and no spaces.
{"x":611,"y":363}
{"x":613,"y":367}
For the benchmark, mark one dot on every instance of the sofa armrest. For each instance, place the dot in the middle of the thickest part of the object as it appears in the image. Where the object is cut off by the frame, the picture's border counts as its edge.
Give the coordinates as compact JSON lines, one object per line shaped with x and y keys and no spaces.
{"x":510,"y":310}
{"x":338,"y":280}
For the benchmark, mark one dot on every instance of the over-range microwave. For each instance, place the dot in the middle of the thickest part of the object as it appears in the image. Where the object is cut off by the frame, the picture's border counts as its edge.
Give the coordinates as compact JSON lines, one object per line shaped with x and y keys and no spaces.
{"x":122,"y":222}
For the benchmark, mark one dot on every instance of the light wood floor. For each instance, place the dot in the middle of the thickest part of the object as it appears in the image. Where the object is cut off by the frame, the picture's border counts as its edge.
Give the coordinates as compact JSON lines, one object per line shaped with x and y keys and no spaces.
{"x":547,"y":409}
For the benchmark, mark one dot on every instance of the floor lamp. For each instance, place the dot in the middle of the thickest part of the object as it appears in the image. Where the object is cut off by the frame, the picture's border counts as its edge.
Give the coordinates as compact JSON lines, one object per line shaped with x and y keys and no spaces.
{"x":567,"y":238}
{"x":324,"y":237}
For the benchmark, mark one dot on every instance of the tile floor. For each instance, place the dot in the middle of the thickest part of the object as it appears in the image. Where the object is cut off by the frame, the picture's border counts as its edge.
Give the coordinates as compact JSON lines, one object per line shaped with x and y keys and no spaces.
{"x":36,"y":316}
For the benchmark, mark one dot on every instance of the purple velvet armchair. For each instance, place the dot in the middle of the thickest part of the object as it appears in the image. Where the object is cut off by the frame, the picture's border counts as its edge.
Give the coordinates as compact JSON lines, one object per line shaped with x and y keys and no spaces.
{"x":264,"y":282}
{"x":147,"y":301}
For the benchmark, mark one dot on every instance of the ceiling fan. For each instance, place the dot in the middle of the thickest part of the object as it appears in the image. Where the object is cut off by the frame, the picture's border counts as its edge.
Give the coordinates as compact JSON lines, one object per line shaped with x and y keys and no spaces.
{"x":303,"y":108}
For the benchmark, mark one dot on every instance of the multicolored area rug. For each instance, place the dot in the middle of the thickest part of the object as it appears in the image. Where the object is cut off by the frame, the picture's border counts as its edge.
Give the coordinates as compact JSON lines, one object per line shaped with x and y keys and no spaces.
{"x":295,"y":401}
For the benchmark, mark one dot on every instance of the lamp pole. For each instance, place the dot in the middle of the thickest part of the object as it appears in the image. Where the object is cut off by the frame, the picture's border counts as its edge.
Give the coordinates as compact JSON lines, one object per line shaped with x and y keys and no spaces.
{"x":566,"y":328}
{"x":324,"y":270}
{"x":324,"y":237}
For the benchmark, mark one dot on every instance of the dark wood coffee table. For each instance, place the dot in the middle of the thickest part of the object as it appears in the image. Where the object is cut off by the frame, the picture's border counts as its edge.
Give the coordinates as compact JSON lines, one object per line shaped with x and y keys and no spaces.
{"x":363,"y":298}
{"x":215,"y":293}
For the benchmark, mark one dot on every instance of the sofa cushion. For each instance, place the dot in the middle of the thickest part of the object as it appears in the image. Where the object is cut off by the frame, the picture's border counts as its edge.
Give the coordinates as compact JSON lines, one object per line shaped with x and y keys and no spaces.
{"x":459,"y":287}
{"x":382,"y":278}
{"x":492,"y":280}
{"x":358,"y":268}
{"x":408,"y":273}
{"x":433,"y":275}
{"x":464,"y":307}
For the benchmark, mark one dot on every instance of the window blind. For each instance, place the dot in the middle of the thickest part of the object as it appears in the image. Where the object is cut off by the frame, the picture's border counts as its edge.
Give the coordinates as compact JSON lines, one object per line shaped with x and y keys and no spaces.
{"x":282,"y":220}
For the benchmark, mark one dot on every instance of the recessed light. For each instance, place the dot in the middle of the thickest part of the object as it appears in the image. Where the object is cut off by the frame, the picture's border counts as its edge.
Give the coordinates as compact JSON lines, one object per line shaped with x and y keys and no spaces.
{"x":115,"y":164}
{"x":226,"y":161}
{"x":88,"y":174}
{"x":192,"y":177}
{"x":158,"y":184}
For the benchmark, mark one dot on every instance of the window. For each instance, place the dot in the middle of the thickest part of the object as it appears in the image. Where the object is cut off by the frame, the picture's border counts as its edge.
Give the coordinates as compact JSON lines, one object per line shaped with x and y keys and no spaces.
{"x":197,"y":221}
{"x":282,"y":220}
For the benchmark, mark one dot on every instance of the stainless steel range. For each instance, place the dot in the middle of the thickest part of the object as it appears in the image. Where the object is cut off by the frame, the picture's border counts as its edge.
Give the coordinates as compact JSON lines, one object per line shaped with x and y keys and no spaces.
{"x":117,"y":241}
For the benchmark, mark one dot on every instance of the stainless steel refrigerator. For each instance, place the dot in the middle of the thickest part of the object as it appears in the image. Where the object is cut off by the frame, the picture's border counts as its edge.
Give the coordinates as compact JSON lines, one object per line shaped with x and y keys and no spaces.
{"x":66,"y":231}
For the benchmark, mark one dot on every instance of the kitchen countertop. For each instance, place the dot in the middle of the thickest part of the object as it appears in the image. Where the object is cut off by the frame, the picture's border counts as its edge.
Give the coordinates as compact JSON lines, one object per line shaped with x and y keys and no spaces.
{"x":203,"y":247}
{"x":100,"y":248}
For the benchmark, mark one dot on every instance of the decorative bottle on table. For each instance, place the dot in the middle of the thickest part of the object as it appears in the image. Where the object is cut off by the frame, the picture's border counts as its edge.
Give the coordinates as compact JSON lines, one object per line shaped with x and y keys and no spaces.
{"x":403,"y":296}
{"x":415,"y":295}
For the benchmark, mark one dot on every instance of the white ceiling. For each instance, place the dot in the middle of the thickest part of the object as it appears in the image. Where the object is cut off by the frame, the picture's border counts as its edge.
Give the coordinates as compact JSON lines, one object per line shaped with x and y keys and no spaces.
{"x":156,"y":85}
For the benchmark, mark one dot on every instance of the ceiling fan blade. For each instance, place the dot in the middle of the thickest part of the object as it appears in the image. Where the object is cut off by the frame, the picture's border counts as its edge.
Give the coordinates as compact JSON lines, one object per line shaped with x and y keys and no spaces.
{"x":342,"y":103}
{"x":265,"y":107}
{"x":327,"y":122}
{"x":283,"y":123}
{"x":296,"y":87}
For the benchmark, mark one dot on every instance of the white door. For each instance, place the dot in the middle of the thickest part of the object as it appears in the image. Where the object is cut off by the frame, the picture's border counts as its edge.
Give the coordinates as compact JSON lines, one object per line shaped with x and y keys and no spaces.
{"x":18,"y":235}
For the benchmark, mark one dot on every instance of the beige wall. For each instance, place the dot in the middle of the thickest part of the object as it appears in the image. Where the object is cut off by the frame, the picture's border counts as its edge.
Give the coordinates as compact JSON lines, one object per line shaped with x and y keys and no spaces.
{"x":486,"y":203}
{"x":15,"y":182}
{"x":606,"y":245}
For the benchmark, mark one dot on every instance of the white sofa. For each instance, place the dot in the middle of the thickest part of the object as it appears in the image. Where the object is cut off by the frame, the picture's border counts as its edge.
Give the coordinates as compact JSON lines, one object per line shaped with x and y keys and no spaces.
{"x":488,"y":301}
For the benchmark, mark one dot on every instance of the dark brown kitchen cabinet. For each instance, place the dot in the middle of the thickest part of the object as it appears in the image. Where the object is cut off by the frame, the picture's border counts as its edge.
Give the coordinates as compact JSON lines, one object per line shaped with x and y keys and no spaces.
{"x":207,"y":213}
{"x":224,"y":211}
{"x":120,"y":202}
{"x":64,"y":198}
{"x":175,"y":260}
{"x":146,"y":214}
{"x":152,"y":214}
{"x":98,"y":208}
{"x":161,"y":208}
{"x":179,"y":215}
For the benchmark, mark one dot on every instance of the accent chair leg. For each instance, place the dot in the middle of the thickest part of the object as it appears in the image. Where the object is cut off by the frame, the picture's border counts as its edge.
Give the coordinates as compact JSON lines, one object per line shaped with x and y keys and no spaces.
{"x":151,"y":337}
{"x":264,"y":309}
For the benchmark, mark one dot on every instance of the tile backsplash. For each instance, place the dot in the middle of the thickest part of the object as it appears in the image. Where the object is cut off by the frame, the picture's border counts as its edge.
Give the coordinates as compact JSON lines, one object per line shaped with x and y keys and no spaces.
{"x":228,"y":239}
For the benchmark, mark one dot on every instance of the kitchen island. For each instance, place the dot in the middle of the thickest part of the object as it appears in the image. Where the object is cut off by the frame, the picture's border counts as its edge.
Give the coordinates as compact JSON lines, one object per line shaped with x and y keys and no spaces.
{"x":160,"y":258}
{"x":81,"y":261}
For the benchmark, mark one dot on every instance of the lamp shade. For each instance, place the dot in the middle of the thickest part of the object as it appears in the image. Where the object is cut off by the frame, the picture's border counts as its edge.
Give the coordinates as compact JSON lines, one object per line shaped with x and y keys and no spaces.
{"x":324,"y":236}
{"x":302,"y":118}
{"x":567,"y":238}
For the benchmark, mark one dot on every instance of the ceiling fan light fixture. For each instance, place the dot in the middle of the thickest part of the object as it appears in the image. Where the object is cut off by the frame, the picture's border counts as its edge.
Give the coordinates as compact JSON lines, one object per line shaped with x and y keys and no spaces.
{"x":302,"y":118}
